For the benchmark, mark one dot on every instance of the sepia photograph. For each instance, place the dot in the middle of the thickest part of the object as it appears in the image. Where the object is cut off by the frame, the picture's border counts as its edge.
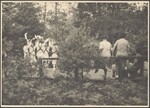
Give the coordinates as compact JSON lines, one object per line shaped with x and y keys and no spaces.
{"x":74,"y":53}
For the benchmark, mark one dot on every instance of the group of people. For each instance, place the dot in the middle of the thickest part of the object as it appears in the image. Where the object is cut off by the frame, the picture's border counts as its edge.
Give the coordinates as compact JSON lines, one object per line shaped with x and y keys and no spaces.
{"x":38,"y":48}
{"x":116,"y":56}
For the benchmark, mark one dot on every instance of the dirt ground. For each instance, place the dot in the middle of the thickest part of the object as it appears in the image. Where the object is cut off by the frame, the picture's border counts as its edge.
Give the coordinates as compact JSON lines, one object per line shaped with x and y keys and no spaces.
{"x":91,"y":74}
{"x":100,"y":74}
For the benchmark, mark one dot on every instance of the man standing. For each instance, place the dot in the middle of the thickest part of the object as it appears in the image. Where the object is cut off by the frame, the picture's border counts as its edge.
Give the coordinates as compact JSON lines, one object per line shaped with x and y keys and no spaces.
{"x":121,"y":47}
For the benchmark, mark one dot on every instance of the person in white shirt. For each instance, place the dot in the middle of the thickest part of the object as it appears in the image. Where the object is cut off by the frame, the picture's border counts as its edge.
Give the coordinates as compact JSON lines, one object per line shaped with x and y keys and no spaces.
{"x":121,"y":49}
{"x":105,"y":48}
{"x":105,"y":51}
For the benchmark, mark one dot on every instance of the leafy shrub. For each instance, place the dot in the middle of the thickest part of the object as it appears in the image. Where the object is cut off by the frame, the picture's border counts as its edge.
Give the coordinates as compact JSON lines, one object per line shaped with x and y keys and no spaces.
{"x":66,"y":91}
{"x":76,"y":52}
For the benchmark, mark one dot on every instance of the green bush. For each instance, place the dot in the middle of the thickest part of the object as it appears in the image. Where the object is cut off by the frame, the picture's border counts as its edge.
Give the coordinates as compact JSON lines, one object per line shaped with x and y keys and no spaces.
{"x":76,"y":52}
{"x":66,"y":91}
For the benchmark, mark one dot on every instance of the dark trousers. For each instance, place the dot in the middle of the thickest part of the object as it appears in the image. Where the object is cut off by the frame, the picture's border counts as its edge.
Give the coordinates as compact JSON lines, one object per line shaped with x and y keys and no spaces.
{"x":121,"y":64}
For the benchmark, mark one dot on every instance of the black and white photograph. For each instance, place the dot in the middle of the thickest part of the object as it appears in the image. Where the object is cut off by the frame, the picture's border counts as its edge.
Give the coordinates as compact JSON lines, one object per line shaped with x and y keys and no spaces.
{"x":74,"y":53}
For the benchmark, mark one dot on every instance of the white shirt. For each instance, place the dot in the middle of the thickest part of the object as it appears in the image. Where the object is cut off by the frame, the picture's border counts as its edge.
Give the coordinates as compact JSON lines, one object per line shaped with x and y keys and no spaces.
{"x":105,"y":46}
{"x":122,"y":47}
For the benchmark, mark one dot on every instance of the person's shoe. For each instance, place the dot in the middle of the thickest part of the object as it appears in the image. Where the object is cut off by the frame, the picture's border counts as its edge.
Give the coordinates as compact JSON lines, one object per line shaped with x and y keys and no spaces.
{"x":117,"y":76}
{"x":96,"y":70}
{"x":125,"y":68}
{"x":112,"y":77}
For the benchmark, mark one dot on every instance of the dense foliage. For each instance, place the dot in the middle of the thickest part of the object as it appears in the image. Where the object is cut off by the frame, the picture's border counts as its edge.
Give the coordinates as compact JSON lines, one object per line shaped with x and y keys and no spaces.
{"x":19,"y":18}
{"x":60,"y":91}
{"x":95,"y":20}
{"x":77,"y":50}
{"x":77,"y":40}
{"x":111,"y":18}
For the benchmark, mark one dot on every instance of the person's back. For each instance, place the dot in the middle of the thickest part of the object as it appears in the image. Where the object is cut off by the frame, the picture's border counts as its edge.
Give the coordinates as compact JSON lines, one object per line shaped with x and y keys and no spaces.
{"x":105,"y":48}
{"x":105,"y":52}
{"x":122,"y":47}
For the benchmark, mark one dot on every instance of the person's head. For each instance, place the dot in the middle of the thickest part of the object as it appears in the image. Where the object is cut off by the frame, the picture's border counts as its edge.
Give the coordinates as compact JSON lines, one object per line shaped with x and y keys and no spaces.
{"x":104,"y":37}
{"x":122,"y":35}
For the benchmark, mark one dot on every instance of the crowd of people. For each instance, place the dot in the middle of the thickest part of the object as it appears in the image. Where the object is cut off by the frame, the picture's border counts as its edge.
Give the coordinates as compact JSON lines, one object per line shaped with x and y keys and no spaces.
{"x":37,"y":48}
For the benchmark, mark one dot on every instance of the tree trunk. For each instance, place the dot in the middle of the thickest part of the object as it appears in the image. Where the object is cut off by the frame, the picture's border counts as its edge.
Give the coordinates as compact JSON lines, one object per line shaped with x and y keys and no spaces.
{"x":41,"y":73}
{"x":82,"y":74}
{"x":76,"y":73}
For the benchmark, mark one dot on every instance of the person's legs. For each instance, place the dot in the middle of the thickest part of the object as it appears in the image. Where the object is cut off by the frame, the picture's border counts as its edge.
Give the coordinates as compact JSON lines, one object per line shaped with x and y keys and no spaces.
{"x":117,"y":63}
{"x":114,"y":70}
{"x":120,"y":64}
{"x":121,"y":67}
{"x":124,"y":66}
{"x":107,"y":63}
